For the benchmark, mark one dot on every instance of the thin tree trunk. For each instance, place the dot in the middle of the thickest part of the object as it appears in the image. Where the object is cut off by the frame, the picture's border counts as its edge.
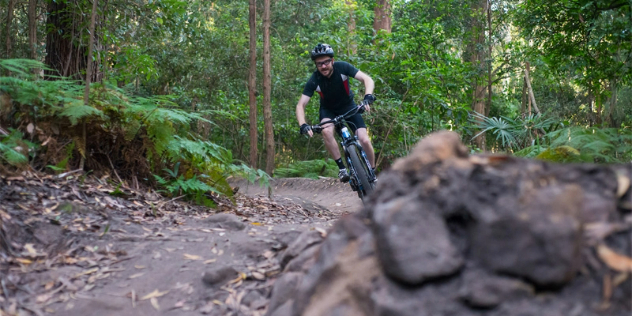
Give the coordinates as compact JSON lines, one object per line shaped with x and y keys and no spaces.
{"x":86,"y":93}
{"x":613,"y":103}
{"x":32,"y":15}
{"x":252,"y":77}
{"x":8,"y":28}
{"x":351,"y":44}
{"x":382,"y":19}
{"x":267,"y":89}
{"x":476,"y":55}
{"x":531,"y":96}
{"x":523,"y":104}
{"x":489,"y":58}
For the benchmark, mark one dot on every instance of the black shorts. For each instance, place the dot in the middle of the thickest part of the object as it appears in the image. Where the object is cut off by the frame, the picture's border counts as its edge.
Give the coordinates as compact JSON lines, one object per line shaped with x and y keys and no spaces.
{"x":354,"y":122}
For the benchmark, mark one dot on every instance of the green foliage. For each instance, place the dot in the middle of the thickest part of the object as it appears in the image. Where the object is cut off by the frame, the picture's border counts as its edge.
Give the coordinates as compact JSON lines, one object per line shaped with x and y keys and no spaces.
{"x":580,"y":144}
{"x":156,"y":122}
{"x":308,"y":169}
{"x":174,"y":87}
{"x":509,"y":133}
{"x":13,"y":147}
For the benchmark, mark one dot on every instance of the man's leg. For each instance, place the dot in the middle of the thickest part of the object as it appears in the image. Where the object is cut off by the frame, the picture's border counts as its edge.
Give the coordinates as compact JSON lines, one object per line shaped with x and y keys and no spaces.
{"x":330,"y":141}
{"x":365,"y":142}
{"x":334,"y":151}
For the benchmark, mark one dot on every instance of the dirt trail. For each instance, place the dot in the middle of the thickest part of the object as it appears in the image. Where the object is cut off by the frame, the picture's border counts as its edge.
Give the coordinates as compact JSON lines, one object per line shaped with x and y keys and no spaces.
{"x":83,"y":251}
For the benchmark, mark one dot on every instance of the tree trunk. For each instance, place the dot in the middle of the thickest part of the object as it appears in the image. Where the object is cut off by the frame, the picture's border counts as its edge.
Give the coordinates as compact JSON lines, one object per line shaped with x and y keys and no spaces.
{"x":476,"y":55}
{"x":489,"y":58}
{"x":32,"y":15}
{"x":351,"y":43}
{"x":8,"y":28}
{"x":531,"y":95}
{"x":86,"y":93}
{"x":66,"y":55}
{"x":252,"y":77}
{"x":523,"y":104}
{"x":610,"y":118}
{"x":382,"y":19}
{"x":267,"y":89}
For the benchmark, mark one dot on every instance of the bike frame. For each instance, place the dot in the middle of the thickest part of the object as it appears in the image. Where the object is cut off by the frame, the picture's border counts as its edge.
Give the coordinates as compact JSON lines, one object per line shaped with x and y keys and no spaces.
{"x":342,"y":129}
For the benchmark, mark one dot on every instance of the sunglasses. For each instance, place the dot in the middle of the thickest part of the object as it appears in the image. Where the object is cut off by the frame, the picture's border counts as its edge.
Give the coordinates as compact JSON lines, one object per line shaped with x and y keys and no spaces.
{"x":324,"y":63}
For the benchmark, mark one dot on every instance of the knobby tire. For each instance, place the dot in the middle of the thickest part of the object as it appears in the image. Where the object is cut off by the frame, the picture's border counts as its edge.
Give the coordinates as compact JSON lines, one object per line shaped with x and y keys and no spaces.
{"x":361,"y":169}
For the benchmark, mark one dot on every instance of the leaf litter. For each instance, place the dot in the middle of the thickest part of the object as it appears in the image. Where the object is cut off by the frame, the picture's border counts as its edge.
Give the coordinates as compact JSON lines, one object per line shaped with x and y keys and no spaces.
{"x":77,"y":224}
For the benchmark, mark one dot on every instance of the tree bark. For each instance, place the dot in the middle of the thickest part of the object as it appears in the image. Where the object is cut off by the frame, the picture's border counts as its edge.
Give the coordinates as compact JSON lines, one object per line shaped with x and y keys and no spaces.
{"x":32,"y":15}
{"x":523,"y":104}
{"x":8,"y":28}
{"x":489,"y":58}
{"x":65,"y":55}
{"x":86,"y":93}
{"x":252,"y":77}
{"x":610,"y":118}
{"x":382,"y":19}
{"x":351,"y":27}
{"x":531,"y":95}
{"x":476,"y":56}
{"x":267,"y":89}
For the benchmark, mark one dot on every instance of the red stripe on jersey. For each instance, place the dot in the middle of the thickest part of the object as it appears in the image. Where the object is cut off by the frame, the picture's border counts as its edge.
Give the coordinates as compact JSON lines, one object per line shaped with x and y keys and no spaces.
{"x":321,"y":94}
{"x":346,"y":84}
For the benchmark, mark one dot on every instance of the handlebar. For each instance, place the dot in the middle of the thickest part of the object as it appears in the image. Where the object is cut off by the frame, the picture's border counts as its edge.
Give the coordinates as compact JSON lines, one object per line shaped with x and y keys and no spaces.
{"x":319,"y":127}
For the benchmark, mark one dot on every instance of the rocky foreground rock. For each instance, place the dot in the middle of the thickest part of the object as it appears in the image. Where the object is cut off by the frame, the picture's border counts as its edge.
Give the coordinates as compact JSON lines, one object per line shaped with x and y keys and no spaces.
{"x":448,"y":233}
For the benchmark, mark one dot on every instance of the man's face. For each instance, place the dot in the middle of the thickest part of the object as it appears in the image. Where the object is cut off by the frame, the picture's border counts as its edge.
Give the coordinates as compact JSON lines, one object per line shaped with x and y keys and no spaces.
{"x":325,"y":65}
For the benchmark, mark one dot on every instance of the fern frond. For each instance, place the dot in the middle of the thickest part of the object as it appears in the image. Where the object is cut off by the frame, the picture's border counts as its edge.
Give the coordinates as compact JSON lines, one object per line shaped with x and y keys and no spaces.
{"x":76,"y":112}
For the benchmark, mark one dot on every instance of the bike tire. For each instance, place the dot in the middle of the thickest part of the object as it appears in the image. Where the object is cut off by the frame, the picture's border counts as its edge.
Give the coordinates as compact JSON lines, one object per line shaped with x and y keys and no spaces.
{"x":361,"y":169}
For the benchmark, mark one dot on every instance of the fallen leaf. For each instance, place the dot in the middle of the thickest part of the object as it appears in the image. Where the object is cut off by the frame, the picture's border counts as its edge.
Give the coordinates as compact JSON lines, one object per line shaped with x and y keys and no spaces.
{"x":192,"y":257}
{"x":268,"y":254}
{"x":154,"y":294}
{"x":256,"y":224}
{"x":210,"y":261}
{"x":614,"y":260}
{"x":139,"y":267}
{"x":134,"y":276}
{"x":86,"y":272}
{"x":258,"y":275}
{"x":623,"y":184}
{"x":323,"y":233}
{"x":49,"y":285}
{"x":154,"y":303}
{"x":133,"y":298}
{"x":31,"y":250}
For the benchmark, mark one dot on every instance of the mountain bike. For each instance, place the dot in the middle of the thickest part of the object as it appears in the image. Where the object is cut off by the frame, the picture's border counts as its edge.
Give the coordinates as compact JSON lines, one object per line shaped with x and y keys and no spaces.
{"x":362,"y":179}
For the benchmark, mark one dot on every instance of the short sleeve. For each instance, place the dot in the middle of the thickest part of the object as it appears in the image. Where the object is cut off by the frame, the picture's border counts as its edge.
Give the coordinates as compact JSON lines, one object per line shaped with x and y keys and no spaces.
{"x":347,"y":69}
{"x":310,"y":87}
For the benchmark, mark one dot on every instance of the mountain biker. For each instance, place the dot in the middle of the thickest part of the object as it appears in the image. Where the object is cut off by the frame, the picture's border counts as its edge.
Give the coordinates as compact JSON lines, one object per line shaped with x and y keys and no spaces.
{"x":331,"y":81}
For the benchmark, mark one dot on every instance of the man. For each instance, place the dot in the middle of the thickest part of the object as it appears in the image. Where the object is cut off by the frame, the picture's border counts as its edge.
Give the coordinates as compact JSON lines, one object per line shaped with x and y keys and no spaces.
{"x":331,"y":81}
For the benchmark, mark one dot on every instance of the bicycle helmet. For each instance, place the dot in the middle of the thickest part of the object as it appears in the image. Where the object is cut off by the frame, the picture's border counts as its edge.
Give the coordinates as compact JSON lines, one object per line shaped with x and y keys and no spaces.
{"x":322,"y":50}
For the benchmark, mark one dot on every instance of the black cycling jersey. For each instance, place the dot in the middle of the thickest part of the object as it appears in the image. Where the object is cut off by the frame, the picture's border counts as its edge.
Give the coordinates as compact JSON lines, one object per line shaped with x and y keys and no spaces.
{"x":335,"y":94}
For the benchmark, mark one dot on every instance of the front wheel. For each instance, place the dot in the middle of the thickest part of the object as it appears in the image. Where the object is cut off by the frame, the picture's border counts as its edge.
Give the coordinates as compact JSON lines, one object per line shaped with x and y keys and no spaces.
{"x":361,"y":171}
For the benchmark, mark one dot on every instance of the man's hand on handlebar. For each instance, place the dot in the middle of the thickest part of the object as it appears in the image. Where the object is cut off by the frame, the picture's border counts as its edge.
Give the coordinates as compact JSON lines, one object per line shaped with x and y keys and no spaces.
{"x":306,"y":130}
{"x":366,"y":103}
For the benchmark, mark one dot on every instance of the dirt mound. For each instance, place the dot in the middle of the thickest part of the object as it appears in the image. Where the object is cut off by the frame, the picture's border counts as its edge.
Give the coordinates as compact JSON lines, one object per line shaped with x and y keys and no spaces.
{"x":452,"y":234}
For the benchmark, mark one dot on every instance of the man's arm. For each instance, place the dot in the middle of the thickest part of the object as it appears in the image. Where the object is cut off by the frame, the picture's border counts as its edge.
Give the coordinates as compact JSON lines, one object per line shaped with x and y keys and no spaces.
{"x":368,"y":82}
{"x":300,"y":112}
{"x":300,"y":109}
{"x":368,"y":86}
